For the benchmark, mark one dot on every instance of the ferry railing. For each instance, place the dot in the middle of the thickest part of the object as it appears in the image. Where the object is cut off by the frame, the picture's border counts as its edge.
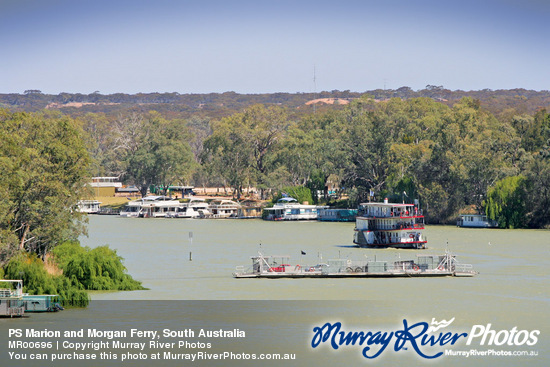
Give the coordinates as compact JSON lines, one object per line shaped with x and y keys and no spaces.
{"x":349,"y":266}
{"x":16,"y":311}
{"x":239,"y":269}
{"x":5,"y":293}
{"x":108,"y":211}
{"x":465,"y":268}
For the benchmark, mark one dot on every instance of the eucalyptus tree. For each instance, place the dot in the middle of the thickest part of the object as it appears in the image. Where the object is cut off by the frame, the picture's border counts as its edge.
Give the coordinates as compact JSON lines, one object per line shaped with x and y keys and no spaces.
{"x":537,"y":132}
{"x":153,"y":151}
{"x":312,"y":151}
{"x":539,"y":191}
{"x":366,"y":142}
{"x":480,"y":154}
{"x":43,"y":174}
{"x":241,"y":148}
{"x":100,"y":142}
{"x":413,"y":125}
{"x":447,"y":156}
{"x":263,"y":128}
{"x":200,"y":129}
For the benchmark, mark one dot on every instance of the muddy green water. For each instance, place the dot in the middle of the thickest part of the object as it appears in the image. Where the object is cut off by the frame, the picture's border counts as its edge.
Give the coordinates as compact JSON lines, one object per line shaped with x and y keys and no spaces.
{"x":512,"y":289}
{"x":514,"y":265}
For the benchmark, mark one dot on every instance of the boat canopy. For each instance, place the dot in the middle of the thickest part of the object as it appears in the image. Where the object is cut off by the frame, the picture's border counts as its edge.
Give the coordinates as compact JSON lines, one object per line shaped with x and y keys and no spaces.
{"x":287,"y":200}
{"x":157,"y":198}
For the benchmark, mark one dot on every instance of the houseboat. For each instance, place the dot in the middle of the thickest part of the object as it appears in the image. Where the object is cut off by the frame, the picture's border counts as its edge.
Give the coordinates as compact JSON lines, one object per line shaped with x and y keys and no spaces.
{"x":336,"y":215}
{"x":11,"y":298}
{"x":158,"y":206}
{"x":88,"y":206}
{"x":149,"y":206}
{"x":288,"y":208}
{"x":274,"y":267}
{"x":41,"y":303}
{"x":476,"y":221}
{"x":223,"y":209}
{"x":191,"y":209}
{"x":382,"y":225}
{"x":250,"y":209}
{"x":132,"y":209}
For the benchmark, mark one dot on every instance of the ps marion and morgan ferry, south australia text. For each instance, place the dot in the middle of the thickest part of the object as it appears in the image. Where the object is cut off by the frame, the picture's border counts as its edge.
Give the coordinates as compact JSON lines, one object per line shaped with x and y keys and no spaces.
{"x":134,"y":333}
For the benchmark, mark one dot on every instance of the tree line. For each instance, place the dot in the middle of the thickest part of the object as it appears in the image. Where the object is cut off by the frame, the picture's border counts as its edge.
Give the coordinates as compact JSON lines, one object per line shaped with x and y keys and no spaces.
{"x":449,"y":158}
{"x":217,"y":105}
{"x":44,"y":172}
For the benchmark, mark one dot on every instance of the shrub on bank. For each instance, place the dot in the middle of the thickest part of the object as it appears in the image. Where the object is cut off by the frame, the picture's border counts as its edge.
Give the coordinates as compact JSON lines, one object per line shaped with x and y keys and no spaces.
{"x":36,"y":280}
{"x":94,"y":269}
{"x":82,"y":269}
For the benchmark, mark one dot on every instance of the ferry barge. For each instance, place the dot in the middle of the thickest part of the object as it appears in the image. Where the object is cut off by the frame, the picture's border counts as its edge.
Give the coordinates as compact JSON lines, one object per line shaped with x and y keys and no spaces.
{"x":383,"y":225}
{"x":274,"y":267}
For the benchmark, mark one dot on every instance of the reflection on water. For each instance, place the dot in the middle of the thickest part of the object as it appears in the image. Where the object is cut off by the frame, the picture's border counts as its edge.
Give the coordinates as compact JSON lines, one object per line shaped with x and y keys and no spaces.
{"x":510,"y":291}
{"x":513,"y":264}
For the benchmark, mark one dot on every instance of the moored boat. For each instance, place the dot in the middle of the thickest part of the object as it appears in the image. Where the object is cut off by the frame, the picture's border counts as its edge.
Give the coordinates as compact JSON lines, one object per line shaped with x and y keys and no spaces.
{"x":11,"y":298}
{"x":383,"y":225}
{"x":41,"y":303}
{"x":336,"y":215}
{"x":150,"y":206}
{"x":250,"y":209}
{"x":223,"y":209}
{"x":423,"y":266}
{"x":132,"y":209}
{"x":288,"y":208}
{"x":159,"y":207}
{"x":476,"y":221}
{"x":191,"y":209}
{"x":88,"y":206}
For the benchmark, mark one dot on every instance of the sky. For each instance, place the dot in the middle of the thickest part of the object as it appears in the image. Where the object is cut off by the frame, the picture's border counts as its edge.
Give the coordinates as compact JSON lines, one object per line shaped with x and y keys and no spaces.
{"x":256,"y":46}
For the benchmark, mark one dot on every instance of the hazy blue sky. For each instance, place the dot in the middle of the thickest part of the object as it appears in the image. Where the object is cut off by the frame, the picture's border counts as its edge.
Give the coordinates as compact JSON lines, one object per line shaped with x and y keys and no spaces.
{"x":272,"y":46}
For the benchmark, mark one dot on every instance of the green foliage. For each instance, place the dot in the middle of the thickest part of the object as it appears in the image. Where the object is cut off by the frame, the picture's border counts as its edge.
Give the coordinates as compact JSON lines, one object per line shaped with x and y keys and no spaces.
{"x":153,"y":150}
{"x":36,"y":280}
{"x":452,"y":146}
{"x":300,"y":193}
{"x":506,"y":202}
{"x":404,"y":191}
{"x":240,"y":150}
{"x":539,"y":192}
{"x":82,"y":269}
{"x":94,"y":269}
{"x":534,"y":130}
{"x":436,"y":200}
{"x":366,"y":141}
{"x":43,"y":174}
{"x":316,"y":183}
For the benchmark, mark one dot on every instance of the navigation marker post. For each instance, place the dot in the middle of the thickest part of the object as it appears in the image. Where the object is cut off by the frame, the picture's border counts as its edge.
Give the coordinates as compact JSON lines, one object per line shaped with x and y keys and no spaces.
{"x":190,"y":245}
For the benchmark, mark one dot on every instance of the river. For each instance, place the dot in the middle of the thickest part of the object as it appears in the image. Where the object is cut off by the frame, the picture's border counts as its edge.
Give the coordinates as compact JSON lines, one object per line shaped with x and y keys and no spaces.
{"x":187,"y":266}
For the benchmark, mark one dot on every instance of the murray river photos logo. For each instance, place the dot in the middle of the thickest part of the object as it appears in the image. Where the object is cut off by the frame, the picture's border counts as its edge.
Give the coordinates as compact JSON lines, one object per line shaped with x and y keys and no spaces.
{"x":425,"y":339}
